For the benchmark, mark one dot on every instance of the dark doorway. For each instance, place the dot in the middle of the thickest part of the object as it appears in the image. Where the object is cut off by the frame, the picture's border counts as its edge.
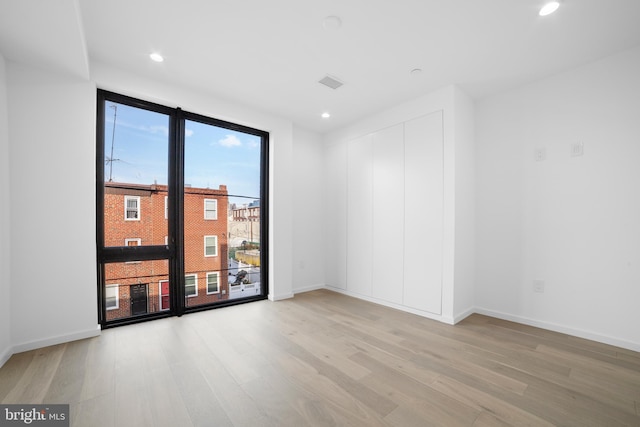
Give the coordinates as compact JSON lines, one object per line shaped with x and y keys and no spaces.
{"x":138,"y":299}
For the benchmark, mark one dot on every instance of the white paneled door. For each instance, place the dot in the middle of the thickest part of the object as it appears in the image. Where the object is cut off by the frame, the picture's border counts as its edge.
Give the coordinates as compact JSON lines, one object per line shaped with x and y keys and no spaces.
{"x":423,"y":216}
{"x":388,"y":213}
{"x":359,"y":215}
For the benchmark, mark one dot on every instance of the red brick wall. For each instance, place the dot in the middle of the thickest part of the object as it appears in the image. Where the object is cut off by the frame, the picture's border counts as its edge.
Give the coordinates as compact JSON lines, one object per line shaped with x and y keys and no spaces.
{"x":151,"y":228}
{"x":195,"y":228}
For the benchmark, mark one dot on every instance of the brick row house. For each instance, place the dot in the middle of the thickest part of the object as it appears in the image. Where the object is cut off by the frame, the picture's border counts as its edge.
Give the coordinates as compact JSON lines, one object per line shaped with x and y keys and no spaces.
{"x":250,"y":212}
{"x":136,"y":215}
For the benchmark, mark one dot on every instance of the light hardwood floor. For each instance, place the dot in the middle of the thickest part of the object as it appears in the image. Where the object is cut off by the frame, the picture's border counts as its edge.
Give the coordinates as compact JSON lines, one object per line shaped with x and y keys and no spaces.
{"x":325,"y":359}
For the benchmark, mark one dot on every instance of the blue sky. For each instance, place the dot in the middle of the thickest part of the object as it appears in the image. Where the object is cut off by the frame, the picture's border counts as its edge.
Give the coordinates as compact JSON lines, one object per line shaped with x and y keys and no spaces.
{"x":213,"y":155}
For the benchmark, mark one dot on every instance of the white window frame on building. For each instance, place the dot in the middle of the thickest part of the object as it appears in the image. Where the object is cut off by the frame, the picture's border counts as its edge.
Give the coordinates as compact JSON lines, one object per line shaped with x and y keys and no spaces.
{"x":110,"y":288}
{"x":215,"y":246}
{"x":137,"y":208}
{"x":215,"y":274}
{"x":210,"y":214}
{"x":160,"y":283}
{"x":137,"y":240}
{"x":195,"y":285}
{"x":127,"y":244}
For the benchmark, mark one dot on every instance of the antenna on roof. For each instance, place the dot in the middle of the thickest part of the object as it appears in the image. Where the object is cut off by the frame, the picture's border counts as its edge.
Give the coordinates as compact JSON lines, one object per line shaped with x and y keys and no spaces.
{"x":113,"y":135}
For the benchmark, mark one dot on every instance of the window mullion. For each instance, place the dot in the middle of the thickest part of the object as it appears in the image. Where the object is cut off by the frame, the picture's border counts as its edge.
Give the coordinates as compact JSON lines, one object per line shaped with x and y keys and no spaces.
{"x":176,"y":209}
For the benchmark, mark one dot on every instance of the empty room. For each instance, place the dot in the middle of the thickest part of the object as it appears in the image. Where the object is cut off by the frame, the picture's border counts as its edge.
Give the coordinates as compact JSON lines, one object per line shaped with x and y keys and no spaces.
{"x":295,"y":213}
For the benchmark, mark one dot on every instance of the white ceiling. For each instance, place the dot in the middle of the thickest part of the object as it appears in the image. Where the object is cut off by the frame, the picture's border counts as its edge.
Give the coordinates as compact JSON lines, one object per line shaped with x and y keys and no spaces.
{"x":270,"y":54}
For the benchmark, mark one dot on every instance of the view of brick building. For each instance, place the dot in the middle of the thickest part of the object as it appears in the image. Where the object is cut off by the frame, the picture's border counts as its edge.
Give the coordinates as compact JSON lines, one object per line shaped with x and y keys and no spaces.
{"x":250,"y":212}
{"x":136,"y":215}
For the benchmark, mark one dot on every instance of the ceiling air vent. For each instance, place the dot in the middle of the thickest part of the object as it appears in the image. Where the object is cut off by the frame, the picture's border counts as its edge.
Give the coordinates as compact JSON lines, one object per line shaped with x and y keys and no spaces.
{"x":331,"y":82}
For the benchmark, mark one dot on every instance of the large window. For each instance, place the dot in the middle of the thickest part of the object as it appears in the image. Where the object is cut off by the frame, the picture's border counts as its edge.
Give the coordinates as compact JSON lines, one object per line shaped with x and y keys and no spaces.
{"x":168,"y":183}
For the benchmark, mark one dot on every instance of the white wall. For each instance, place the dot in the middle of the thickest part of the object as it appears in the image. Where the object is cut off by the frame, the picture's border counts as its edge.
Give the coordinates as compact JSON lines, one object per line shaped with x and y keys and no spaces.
{"x":51,"y":199}
{"x":5,"y":247}
{"x":573,"y":222}
{"x":465,"y":216}
{"x":52,"y":207}
{"x":281,"y":171}
{"x":308,"y":211}
{"x":335,"y":219}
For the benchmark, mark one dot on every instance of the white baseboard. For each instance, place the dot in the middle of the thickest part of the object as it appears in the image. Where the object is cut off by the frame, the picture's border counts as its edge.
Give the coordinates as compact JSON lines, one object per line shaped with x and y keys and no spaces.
{"x":460,"y":317}
{"x":562,"y":329}
{"x":280,"y":297}
{"x":60,"y":339}
{"x":308,"y":288}
{"x":5,"y":355}
{"x":580,"y":333}
{"x":428,"y":315}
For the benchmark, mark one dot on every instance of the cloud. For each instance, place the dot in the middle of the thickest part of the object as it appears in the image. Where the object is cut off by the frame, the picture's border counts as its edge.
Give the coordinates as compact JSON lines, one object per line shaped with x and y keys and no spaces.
{"x":163,"y":130}
{"x":188,"y":132}
{"x":230,"y":141}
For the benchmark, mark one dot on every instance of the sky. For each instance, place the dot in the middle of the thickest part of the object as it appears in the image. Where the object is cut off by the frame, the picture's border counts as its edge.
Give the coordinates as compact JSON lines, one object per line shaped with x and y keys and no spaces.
{"x":213,"y":155}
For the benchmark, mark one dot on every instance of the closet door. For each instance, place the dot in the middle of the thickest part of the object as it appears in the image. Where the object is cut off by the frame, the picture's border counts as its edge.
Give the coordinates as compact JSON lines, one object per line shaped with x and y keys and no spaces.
{"x":336,"y":215}
{"x":423,"y":216}
{"x":359,"y":215}
{"x":388,"y":213}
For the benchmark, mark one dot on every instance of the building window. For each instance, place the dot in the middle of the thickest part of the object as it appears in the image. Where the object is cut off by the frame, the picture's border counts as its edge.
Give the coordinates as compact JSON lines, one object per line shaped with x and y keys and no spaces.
{"x":164,"y":295}
{"x":210,"y":246}
{"x":210,"y":209}
{"x":213,"y":283}
{"x":112,"y":300}
{"x":132,"y":242}
{"x":191,"y":285}
{"x":132,"y":208}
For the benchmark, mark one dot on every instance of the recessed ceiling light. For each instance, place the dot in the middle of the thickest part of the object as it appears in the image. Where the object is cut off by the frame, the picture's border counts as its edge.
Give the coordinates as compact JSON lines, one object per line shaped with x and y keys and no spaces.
{"x":332,"y":22}
{"x":156,"y":57}
{"x":326,"y":115}
{"x":416,"y":71}
{"x":549,"y":8}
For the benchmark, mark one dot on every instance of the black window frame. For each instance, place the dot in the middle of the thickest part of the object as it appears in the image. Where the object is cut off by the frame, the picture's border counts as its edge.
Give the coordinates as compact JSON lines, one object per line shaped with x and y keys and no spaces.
{"x":173,"y":252}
